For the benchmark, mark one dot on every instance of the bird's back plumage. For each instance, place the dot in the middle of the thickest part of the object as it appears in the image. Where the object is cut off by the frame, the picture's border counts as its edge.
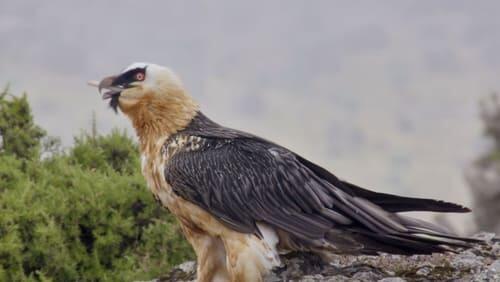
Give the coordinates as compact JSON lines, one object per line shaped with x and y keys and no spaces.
{"x":243,"y":180}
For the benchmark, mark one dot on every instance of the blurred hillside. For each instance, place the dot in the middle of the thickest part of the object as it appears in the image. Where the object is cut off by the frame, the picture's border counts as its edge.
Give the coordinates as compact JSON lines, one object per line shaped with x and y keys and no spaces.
{"x":82,"y":214}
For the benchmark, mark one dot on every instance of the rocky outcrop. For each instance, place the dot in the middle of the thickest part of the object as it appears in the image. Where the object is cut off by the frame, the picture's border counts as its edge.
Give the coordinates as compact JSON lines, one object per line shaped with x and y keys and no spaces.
{"x":481,"y":263}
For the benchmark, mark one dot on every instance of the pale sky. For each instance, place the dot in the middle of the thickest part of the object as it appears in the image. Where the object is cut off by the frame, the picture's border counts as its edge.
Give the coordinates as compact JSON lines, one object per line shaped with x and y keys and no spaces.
{"x":382,"y":93}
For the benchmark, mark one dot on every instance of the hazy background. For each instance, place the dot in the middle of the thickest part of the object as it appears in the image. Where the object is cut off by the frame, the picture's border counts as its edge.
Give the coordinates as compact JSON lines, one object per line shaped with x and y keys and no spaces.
{"x":383,"y":93}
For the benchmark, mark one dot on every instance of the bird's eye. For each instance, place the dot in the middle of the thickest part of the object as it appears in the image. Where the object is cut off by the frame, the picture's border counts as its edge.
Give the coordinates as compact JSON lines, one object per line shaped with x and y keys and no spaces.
{"x":139,"y":76}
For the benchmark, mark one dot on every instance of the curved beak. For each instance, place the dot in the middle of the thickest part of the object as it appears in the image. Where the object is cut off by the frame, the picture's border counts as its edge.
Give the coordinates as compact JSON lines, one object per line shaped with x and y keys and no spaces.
{"x":113,"y":92}
{"x":107,"y":83}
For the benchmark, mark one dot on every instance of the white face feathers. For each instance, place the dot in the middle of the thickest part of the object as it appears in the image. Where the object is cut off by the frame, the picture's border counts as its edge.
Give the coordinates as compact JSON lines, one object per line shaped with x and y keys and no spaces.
{"x":155,"y":75}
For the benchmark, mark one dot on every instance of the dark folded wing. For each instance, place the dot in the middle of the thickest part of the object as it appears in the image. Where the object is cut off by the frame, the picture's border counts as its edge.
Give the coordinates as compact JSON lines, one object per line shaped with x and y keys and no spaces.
{"x":242,"y":181}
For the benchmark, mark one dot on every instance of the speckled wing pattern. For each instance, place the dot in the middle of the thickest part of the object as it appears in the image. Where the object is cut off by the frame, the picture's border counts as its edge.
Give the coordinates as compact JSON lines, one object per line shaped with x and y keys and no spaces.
{"x":242,"y":179}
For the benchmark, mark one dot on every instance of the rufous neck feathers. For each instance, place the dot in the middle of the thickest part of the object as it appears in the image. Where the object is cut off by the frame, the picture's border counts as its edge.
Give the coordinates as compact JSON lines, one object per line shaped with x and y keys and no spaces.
{"x":158,"y":116}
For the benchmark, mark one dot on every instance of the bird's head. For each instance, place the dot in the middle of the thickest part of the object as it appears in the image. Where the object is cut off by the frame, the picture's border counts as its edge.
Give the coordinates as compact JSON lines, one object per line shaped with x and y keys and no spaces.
{"x":153,"y":98}
{"x":137,"y":83}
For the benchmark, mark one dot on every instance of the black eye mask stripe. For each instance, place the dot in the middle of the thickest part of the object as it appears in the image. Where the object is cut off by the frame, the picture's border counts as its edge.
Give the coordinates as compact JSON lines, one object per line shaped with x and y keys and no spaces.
{"x":128,"y":77}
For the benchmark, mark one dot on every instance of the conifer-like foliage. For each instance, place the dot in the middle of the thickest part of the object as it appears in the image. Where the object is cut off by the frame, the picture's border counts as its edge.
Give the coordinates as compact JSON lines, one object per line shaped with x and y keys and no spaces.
{"x":82,"y":214}
{"x":19,"y":134}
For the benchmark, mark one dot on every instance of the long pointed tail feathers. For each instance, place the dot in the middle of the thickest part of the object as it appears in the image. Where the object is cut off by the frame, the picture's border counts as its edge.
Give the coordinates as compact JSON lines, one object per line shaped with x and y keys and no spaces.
{"x":414,"y":236}
{"x":386,"y":230}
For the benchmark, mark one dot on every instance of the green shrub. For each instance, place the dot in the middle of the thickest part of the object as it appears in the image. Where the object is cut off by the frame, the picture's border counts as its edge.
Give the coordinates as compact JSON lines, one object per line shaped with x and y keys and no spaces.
{"x":82,"y":215}
{"x":115,"y":151}
{"x":20,"y":135}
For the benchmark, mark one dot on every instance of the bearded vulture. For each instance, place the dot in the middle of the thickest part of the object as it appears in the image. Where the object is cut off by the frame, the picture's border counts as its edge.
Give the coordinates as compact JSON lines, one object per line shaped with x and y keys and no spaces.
{"x":242,"y":200}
